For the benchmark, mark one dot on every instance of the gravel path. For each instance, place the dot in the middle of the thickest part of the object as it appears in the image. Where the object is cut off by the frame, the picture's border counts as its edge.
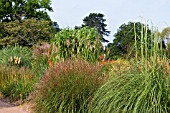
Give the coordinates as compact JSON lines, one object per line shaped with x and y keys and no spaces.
{"x":9,"y":108}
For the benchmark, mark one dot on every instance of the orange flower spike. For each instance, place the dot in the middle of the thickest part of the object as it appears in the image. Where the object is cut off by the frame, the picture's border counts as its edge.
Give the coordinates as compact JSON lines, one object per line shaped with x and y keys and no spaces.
{"x":103,"y":61}
{"x":113,"y":61}
{"x":50,"y":63}
{"x":31,"y":77}
{"x":49,"y":52}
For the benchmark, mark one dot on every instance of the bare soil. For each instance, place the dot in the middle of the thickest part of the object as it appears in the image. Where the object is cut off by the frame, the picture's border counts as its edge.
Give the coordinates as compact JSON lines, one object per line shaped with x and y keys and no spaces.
{"x":6,"y":107}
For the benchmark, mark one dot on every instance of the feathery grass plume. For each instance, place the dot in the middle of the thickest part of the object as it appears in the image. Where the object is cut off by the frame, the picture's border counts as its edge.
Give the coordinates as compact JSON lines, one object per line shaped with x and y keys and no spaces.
{"x":145,"y":90}
{"x":68,"y":87}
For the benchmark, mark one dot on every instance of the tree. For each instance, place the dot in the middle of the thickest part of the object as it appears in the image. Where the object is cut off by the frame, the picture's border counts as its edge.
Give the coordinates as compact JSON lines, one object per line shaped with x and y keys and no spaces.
{"x":56,"y":27}
{"x":25,"y":33}
{"x":96,"y":21}
{"x":123,"y":43}
{"x":11,"y":10}
{"x":165,"y":34}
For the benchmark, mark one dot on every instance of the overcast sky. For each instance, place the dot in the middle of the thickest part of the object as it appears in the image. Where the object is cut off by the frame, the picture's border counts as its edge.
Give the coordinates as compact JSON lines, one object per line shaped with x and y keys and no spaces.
{"x":69,"y":13}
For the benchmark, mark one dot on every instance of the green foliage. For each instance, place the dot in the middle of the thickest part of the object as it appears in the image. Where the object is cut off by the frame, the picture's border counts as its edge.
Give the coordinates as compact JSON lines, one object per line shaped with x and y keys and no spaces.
{"x":16,"y":83}
{"x":15,"y":72}
{"x":26,"y":33}
{"x":96,"y":21}
{"x":145,"y":90}
{"x":11,"y":56}
{"x":56,"y":27}
{"x":134,"y":93}
{"x":165,"y":34}
{"x":83,"y":43}
{"x":40,"y":59}
{"x":120,"y":67}
{"x":123,"y":43}
{"x":17,"y":79}
{"x":11,"y":10}
{"x":168,"y":50}
{"x":68,"y":87}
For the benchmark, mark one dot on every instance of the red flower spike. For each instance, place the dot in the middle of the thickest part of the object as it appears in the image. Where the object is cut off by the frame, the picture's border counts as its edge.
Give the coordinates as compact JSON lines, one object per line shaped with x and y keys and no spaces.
{"x":30,"y":76}
{"x":49,"y":52}
{"x":101,"y":57}
{"x":50,"y":63}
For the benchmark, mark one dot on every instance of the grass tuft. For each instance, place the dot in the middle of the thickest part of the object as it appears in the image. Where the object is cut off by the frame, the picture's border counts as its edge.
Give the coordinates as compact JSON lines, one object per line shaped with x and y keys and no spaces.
{"x":144,"y":90}
{"x":68,"y":87}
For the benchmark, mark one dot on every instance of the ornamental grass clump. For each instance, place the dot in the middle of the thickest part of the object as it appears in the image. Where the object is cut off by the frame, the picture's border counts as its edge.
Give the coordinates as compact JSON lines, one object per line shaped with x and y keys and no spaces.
{"x":145,"y":90}
{"x":68,"y":87}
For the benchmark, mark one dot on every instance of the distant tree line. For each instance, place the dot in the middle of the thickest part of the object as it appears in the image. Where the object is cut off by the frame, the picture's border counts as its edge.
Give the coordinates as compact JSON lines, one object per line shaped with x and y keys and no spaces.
{"x":26,"y":22}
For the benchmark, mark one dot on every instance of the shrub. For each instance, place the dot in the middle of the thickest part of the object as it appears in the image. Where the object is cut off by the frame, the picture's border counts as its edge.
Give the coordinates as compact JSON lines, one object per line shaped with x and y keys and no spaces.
{"x":68,"y":87}
{"x":145,"y":90}
{"x":84,"y":43}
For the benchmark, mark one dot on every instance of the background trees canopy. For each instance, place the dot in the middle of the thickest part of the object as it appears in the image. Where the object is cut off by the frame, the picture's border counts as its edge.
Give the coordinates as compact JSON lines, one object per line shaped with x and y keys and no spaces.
{"x":56,"y":27}
{"x":96,"y":21}
{"x":25,"y":33}
{"x":11,"y":10}
{"x":123,"y":43}
{"x":25,"y":22}
{"x":165,"y":34}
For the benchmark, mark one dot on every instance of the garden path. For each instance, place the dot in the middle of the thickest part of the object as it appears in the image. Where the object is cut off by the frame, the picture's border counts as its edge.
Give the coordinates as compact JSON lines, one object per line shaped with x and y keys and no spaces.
{"x":9,"y":108}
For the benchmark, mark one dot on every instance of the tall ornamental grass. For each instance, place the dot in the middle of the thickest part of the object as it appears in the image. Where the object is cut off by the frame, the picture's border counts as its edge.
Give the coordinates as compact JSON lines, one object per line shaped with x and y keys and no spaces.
{"x":145,"y":90}
{"x":16,"y":83}
{"x":20,"y":70}
{"x":41,"y":56}
{"x":68,"y":87}
{"x":84,"y":43}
